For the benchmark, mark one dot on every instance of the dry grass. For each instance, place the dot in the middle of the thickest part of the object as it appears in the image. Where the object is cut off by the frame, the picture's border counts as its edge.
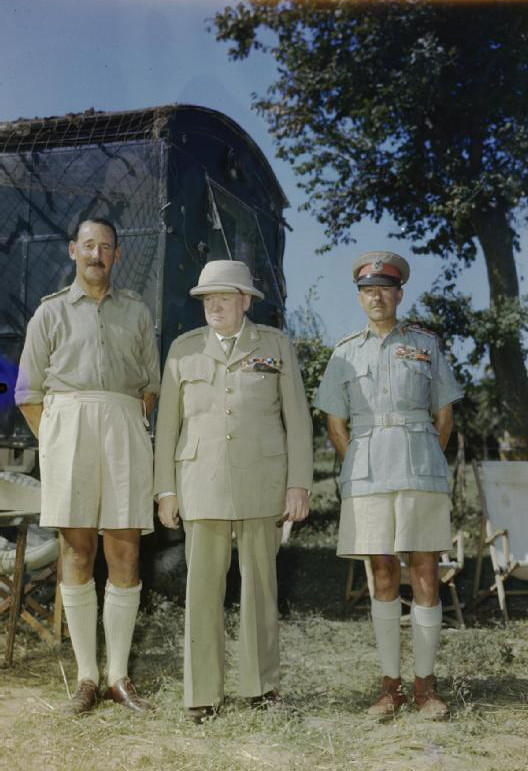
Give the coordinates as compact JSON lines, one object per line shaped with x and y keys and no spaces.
{"x":329,"y":676}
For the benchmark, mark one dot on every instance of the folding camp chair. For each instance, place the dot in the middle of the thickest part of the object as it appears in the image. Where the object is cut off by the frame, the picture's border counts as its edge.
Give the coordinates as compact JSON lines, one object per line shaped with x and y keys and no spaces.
{"x":448,"y":568}
{"x":19,"y":508}
{"x":503,"y":493}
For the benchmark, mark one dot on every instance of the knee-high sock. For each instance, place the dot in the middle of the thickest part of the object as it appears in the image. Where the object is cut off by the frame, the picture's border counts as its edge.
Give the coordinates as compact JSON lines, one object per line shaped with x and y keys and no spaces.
{"x":426,"y":626}
{"x":386,"y":621}
{"x":119,"y":619}
{"x":80,"y":608}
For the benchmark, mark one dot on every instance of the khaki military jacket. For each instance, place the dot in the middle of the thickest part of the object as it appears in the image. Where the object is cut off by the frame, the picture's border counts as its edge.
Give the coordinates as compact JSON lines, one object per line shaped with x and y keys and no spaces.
{"x":389,"y":390}
{"x":232,"y":434}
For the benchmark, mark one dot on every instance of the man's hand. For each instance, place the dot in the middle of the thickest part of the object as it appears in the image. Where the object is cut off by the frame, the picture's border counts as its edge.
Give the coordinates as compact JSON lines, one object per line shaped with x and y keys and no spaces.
{"x":297,"y":505}
{"x":168,"y":512}
{"x":150,"y":400}
{"x":33,"y":415}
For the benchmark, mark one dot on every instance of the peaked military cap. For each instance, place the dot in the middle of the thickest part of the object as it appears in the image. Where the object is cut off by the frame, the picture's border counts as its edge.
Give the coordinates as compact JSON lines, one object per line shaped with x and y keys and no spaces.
{"x":380,"y":269}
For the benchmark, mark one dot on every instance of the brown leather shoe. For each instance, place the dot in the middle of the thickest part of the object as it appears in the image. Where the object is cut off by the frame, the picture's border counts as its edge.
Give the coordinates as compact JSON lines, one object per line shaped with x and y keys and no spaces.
{"x":124,"y":692}
{"x":83,"y":700}
{"x":427,"y":700}
{"x":389,"y":701}
{"x":266,"y":700}
{"x":199,"y":715}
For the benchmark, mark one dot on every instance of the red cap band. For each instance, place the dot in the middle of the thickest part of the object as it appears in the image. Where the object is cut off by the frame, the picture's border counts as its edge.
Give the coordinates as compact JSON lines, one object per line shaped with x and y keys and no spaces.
{"x":383,"y":269}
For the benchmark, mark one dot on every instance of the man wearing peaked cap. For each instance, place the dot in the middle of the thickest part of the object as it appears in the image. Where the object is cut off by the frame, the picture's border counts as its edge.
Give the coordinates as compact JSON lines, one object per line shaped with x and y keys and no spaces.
{"x":387,"y":392}
{"x":233,"y":456}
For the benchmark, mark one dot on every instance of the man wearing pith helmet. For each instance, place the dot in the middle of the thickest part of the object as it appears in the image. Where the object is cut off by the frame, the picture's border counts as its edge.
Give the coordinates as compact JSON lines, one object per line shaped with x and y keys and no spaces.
{"x":233,"y":456}
{"x":387,"y":392}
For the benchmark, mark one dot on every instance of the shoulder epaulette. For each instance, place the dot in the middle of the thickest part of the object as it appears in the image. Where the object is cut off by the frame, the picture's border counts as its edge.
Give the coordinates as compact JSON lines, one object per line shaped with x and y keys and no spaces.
{"x":55,"y":294}
{"x":415,"y":328}
{"x":346,"y":338}
{"x":267,"y":328}
{"x":130,"y":294}
{"x":190,"y":333}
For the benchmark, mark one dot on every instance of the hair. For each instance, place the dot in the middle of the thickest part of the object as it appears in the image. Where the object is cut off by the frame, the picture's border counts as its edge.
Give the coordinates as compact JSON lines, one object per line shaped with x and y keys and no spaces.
{"x":97,"y":221}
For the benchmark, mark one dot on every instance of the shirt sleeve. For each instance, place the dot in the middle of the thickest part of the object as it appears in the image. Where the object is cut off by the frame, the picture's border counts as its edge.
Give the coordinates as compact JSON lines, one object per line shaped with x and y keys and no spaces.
{"x":331,"y":396}
{"x":34,"y":362}
{"x":150,"y":354}
{"x":444,"y":388}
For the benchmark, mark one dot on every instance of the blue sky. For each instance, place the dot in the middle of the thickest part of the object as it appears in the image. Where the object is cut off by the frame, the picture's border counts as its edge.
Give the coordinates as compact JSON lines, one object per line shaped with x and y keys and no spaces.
{"x":60,"y":56}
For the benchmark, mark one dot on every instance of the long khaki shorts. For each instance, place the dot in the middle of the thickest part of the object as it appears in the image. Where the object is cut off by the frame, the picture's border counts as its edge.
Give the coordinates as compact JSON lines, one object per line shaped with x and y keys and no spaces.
{"x":95,"y":462}
{"x":394,"y":523}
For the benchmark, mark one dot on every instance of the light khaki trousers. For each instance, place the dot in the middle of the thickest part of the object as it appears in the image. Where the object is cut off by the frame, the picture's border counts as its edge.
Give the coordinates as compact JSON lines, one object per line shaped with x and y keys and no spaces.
{"x":208,"y":548}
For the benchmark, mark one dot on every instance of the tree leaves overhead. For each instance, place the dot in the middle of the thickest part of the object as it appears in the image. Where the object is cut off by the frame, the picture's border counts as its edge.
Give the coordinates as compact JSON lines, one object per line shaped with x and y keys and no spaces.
{"x":414,"y":108}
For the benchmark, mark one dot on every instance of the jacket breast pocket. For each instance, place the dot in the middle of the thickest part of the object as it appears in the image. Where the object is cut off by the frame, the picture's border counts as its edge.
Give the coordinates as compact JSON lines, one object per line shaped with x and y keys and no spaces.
{"x":356,"y":464}
{"x":196,"y":384}
{"x":425,"y":454}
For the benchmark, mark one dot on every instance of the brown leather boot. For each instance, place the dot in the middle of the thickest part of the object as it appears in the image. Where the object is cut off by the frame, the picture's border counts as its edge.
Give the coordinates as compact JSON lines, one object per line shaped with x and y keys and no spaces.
{"x":427,"y":700}
{"x":390,"y":699}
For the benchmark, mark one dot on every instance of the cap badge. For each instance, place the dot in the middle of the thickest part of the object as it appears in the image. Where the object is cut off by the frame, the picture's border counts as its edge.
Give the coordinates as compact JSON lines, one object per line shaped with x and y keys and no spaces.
{"x":377,"y":266}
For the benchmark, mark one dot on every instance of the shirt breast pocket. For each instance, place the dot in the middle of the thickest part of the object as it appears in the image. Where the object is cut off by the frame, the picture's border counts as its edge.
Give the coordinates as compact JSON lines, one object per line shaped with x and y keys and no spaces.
{"x":358,"y":387}
{"x":415,"y":382}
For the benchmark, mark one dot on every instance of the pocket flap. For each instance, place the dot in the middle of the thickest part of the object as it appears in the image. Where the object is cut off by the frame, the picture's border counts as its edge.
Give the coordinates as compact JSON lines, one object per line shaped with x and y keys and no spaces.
{"x":186,"y":448}
{"x":194,"y":368}
{"x":353,"y":373}
{"x":419,"y":367}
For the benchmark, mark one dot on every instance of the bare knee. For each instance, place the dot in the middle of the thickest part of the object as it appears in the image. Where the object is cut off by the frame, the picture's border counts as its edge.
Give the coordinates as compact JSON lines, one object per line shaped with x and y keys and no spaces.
{"x":121,"y":548}
{"x":78,"y":550}
{"x":424,"y":578}
{"x":386,"y":571}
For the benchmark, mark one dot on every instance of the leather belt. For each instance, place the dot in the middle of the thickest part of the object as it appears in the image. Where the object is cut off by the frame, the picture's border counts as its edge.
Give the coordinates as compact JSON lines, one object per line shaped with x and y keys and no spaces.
{"x":390,"y":419}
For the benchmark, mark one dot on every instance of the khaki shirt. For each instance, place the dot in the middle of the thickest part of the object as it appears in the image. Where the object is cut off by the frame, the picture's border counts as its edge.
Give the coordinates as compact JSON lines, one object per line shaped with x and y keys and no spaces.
{"x":230,"y":437}
{"x":389,"y":389}
{"x":74,"y":343}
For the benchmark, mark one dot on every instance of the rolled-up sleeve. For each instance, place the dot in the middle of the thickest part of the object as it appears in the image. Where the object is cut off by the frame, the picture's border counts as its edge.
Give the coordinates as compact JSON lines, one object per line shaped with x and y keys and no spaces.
{"x":444,"y":388}
{"x":34,"y":362}
{"x":331,"y":396}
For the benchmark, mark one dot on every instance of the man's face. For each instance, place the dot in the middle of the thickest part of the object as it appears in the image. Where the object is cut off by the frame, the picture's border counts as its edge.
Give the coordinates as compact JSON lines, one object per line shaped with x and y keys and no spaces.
{"x":225,"y":312}
{"x":380,"y":302}
{"x":94,"y":253}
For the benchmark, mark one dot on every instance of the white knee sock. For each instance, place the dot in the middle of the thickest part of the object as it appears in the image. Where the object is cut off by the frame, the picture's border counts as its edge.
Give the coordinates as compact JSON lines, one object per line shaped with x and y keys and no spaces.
{"x":386,"y":621}
{"x":119,"y":619}
{"x":426,"y":626}
{"x":80,"y":608}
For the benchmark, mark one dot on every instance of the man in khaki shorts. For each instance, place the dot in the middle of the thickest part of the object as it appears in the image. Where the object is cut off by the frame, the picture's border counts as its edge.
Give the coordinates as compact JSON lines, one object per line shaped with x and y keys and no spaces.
{"x":233,"y":456}
{"x":388,"y":392}
{"x":88,"y":378}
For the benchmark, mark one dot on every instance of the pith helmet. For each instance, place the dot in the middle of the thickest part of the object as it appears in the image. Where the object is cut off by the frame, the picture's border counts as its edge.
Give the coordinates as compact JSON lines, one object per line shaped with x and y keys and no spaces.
{"x":225,"y":276}
{"x":380,"y":269}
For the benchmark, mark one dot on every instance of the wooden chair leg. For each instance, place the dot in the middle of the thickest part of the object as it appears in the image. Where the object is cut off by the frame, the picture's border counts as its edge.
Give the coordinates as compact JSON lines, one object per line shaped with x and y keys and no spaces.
{"x":456,"y":604}
{"x":501,"y":594}
{"x":57,"y":616}
{"x":18,"y":585}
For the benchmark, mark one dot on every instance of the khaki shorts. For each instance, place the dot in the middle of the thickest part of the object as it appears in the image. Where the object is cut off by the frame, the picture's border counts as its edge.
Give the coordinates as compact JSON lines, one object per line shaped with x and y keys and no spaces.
{"x":394,"y":523}
{"x":95,"y":462}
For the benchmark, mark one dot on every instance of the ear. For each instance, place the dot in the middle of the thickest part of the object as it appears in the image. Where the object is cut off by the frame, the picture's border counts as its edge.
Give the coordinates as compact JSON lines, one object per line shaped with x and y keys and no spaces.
{"x":117,"y":254}
{"x":71,"y":250}
{"x":247,"y":302}
{"x":400,"y":296}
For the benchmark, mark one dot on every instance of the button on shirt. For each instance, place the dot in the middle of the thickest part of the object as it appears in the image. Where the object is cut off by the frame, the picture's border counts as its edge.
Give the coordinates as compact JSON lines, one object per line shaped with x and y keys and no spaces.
{"x":390,"y":400}
{"x":75,"y":343}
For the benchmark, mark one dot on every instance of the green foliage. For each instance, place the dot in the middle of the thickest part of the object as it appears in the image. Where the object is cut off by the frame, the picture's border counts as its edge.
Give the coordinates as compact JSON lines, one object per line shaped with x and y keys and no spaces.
{"x":306,"y":328}
{"x":415,"y":108}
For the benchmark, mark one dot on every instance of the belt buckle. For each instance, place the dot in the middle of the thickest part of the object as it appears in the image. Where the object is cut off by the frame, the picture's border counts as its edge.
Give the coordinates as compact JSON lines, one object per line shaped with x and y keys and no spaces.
{"x":392,"y":420}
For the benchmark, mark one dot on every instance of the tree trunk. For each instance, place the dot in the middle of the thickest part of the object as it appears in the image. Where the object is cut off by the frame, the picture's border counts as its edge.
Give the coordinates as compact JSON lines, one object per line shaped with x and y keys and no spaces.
{"x":507,"y":360}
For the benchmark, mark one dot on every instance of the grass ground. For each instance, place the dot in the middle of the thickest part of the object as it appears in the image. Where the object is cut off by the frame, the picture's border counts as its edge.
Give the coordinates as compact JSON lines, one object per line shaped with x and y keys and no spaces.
{"x":329,"y":676}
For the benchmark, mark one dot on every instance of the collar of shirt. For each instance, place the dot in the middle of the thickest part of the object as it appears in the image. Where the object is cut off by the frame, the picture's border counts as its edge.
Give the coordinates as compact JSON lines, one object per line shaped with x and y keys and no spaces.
{"x":76,"y":292}
{"x":367,"y":332}
{"x":236,"y":336}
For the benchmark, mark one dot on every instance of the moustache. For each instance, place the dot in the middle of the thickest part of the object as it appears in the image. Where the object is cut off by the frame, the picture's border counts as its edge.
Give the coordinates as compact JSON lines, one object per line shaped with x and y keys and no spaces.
{"x":96,"y":264}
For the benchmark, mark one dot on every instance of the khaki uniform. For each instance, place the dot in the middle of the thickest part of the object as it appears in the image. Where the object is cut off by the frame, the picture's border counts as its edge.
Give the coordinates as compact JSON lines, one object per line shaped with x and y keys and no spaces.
{"x":389,"y":389}
{"x":232,"y":434}
{"x":89,"y":364}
